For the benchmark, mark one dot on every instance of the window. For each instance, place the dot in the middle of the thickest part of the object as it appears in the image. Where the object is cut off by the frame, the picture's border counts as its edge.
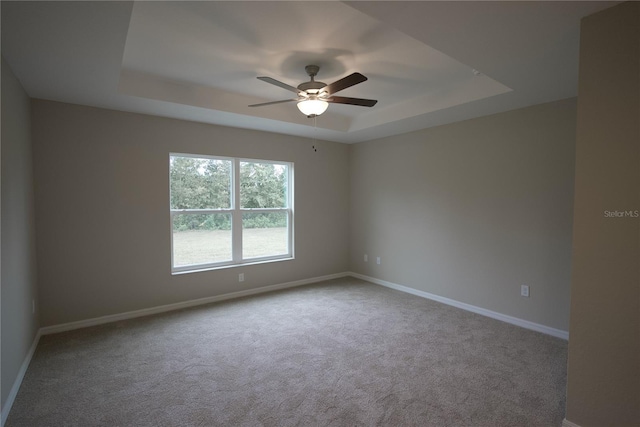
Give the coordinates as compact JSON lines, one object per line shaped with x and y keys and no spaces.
{"x":227,"y":211}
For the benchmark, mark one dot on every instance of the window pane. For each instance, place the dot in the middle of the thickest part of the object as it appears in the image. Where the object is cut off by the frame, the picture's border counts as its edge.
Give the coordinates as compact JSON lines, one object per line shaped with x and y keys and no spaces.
{"x":201,"y":239}
{"x":200,"y":183}
{"x":264,"y":234}
{"x":263,"y":185}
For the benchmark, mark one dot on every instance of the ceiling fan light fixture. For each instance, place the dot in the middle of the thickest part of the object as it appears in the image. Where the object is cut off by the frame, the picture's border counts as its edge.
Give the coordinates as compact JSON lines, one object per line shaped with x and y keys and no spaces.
{"x":312,"y":107}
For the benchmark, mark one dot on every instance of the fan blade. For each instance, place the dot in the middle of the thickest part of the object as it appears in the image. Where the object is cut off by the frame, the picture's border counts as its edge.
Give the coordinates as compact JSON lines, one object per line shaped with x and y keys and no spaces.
{"x":279,"y":84}
{"x":343,"y":83}
{"x":352,"y":101}
{"x":272,"y":102}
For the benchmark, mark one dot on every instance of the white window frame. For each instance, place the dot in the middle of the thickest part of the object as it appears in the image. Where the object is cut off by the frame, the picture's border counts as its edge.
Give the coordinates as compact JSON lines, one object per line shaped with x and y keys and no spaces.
{"x":236,"y":217}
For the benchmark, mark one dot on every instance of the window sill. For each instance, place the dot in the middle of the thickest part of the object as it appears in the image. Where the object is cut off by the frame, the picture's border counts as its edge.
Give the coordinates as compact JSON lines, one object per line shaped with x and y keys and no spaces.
{"x":197,"y":269}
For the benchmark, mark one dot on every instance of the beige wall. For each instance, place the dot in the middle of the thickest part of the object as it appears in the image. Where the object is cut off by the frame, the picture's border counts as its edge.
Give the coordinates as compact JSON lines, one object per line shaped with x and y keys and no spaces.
{"x":467,"y":211}
{"x":472,"y":210}
{"x":102,"y":199}
{"x":604,"y":350}
{"x":19,"y":324}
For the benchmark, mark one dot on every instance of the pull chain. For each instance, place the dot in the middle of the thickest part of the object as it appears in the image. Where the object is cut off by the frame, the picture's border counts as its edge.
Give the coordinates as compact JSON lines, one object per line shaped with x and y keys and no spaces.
{"x":315,"y":135}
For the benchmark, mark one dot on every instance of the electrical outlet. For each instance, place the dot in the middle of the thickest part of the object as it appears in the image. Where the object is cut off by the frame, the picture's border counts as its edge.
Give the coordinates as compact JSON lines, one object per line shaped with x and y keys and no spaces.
{"x":524,"y":291}
{"x":378,"y":260}
{"x":366,"y":258}
{"x":241,"y":277}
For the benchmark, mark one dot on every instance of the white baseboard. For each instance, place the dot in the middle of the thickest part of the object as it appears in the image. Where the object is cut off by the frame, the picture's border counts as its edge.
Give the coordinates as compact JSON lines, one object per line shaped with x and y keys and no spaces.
{"x":192,"y":303}
{"x":18,"y":382}
{"x":478,"y":310}
{"x":177,"y":306}
{"x":567,"y":423}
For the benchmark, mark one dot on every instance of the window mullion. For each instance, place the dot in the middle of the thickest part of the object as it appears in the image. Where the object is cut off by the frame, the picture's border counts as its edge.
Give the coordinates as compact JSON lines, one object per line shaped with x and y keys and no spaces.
{"x":236,"y":232}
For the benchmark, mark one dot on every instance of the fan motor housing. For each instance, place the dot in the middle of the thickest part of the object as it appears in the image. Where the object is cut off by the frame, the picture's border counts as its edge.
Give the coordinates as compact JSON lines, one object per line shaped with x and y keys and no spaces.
{"x":313,"y":86}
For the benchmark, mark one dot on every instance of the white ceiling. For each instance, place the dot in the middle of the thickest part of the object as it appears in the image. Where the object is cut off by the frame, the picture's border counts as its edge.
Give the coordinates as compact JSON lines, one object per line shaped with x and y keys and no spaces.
{"x":199,"y":60}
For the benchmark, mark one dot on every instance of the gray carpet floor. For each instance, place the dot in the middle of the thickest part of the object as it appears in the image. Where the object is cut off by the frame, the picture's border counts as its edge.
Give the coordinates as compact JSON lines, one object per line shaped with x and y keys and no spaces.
{"x":338,"y":353}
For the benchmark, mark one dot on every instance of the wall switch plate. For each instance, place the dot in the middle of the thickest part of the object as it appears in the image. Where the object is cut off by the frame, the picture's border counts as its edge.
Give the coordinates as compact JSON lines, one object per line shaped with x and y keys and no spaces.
{"x":366,"y":258}
{"x":524,"y":290}
{"x":378,"y":260}
{"x":241,"y":277}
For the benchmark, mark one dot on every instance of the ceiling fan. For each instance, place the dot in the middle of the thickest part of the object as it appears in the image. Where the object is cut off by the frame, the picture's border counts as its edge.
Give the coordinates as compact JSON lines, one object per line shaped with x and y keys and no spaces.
{"x":314,"y":97}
